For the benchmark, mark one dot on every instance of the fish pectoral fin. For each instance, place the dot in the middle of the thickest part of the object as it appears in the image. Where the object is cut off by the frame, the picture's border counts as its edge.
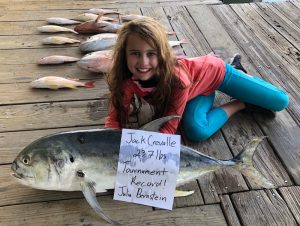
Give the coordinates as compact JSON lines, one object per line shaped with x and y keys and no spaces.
{"x":88,"y":190}
{"x":182,"y":193}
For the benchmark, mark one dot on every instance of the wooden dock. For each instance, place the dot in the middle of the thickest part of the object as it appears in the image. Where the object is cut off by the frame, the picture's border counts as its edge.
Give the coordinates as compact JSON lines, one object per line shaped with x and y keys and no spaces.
{"x":268,"y":38}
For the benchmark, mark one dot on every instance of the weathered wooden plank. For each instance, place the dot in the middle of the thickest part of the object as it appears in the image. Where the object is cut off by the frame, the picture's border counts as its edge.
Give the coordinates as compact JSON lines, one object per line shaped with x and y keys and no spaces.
{"x":52,"y":115}
{"x":41,"y":15}
{"x":22,"y":93}
{"x":270,"y":69}
{"x":291,"y":197}
{"x":279,"y":22}
{"x":213,"y":32}
{"x":238,"y":132}
{"x":296,"y":3}
{"x":30,"y":56}
{"x":284,"y":135}
{"x":26,"y":28}
{"x":77,"y":212}
{"x":289,"y":10}
{"x":8,"y":42}
{"x":58,"y":5}
{"x":281,"y":49}
{"x":262,"y":208}
{"x":222,"y":181}
{"x":187,"y":30}
{"x":74,"y":212}
{"x":219,"y":39}
{"x":229,"y":211}
{"x":9,"y":150}
{"x":28,"y":72}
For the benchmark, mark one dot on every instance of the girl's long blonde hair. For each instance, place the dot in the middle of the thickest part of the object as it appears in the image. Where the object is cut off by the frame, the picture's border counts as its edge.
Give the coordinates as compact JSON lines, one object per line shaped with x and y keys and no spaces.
{"x":156,"y":36}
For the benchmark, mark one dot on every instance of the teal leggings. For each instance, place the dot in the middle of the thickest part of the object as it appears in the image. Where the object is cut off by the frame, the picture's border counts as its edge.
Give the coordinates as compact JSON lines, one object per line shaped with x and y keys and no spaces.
{"x":201,"y":120}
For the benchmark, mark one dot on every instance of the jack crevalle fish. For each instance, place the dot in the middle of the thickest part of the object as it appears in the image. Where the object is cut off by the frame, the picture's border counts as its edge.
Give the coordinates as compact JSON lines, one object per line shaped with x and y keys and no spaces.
{"x":87,"y":160}
{"x":98,"y":42}
{"x":99,"y":61}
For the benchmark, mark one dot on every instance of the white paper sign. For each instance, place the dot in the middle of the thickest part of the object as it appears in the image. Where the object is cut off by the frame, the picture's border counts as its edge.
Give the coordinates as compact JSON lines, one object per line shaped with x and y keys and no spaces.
{"x":148,"y":167}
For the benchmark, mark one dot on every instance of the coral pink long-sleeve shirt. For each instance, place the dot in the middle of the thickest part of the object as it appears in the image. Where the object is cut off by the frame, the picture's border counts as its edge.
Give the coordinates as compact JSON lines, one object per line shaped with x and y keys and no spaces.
{"x":201,"y":76}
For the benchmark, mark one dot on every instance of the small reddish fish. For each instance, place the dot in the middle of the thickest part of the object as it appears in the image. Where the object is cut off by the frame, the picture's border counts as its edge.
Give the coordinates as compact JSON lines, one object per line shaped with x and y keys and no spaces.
{"x":61,"y":21}
{"x":130,"y":17}
{"x":58,"y":40}
{"x":54,"y":82}
{"x":57,"y":59}
{"x":54,"y":29}
{"x":102,"y":11}
{"x":100,"y":61}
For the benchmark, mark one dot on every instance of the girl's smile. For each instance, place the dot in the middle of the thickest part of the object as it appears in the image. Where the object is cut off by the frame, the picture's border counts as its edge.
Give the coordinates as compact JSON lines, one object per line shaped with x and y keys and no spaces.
{"x":142,"y":60}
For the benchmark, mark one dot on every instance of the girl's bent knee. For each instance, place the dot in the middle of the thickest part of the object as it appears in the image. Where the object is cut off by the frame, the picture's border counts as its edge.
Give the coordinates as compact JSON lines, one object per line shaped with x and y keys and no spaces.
{"x":283,"y":101}
{"x":196,"y":133}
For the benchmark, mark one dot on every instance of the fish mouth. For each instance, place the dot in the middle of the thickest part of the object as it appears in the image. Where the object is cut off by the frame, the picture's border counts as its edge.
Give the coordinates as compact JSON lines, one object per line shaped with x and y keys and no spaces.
{"x":17,"y":176}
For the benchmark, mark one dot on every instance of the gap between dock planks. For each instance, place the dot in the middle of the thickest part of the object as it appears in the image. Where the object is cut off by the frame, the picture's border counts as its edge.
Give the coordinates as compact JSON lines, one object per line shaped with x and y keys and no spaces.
{"x":268,"y":65}
{"x":218,"y":39}
{"x":261,"y":208}
{"x":291,"y":196}
{"x":84,"y":5}
{"x":52,"y":115}
{"x":77,"y":211}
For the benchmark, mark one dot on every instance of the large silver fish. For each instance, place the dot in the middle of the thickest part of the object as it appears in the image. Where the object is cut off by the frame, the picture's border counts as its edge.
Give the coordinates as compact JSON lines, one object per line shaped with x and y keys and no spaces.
{"x":98,"y":42}
{"x":87,"y":160}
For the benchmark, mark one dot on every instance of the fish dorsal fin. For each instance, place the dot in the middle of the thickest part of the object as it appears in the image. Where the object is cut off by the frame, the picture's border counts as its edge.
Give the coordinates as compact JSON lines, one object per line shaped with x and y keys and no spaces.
{"x":88,"y":190}
{"x":98,"y":19}
{"x":155,"y":125}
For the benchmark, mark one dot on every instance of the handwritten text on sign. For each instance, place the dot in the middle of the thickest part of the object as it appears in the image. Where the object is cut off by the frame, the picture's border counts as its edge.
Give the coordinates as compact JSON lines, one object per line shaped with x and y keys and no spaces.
{"x":147,"y":168}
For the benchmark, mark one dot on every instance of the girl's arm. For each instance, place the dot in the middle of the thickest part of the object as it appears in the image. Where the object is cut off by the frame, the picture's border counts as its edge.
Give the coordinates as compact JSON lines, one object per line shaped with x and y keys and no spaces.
{"x":111,"y":121}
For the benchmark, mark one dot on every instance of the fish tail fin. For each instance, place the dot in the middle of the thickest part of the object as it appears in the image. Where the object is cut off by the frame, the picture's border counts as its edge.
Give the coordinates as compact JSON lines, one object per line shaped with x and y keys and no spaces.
{"x":244,"y":164}
{"x":183,"y":41}
{"x":89,"y":84}
{"x":171,"y":33}
{"x":98,"y":19}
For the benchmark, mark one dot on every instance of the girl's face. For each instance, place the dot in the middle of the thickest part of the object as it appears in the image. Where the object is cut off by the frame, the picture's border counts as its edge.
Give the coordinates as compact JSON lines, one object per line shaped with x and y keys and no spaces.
{"x":142,"y":60}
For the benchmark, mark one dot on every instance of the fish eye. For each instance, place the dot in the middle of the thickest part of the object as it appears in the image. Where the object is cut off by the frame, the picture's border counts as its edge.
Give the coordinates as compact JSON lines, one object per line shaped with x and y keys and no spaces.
{"x":26,"y":160}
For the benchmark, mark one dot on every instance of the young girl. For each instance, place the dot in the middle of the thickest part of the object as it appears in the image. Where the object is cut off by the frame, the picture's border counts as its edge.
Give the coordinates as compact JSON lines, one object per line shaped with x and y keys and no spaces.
{"x":143,"y":65}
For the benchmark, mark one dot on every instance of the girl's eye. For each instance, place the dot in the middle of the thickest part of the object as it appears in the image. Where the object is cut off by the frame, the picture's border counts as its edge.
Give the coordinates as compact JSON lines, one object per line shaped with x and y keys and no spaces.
{"x":151,"y":54}
{"x":135,"y":53}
